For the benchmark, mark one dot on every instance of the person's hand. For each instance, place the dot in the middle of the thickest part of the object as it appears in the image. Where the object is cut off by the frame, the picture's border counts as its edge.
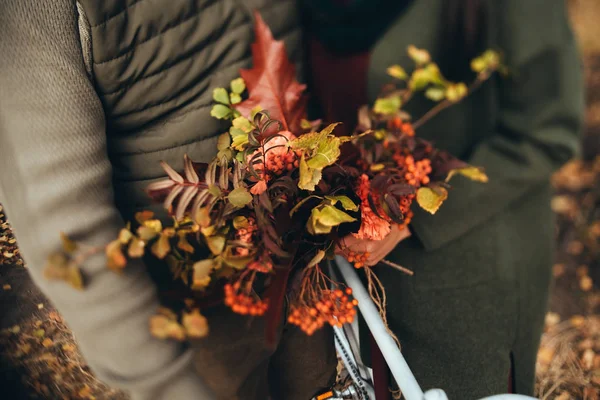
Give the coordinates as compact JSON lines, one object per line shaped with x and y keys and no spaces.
{"x":376,"y":249}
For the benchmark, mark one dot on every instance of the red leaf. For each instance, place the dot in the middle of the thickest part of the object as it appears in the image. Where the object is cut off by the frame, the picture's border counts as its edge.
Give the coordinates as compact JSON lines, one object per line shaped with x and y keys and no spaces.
{"x":271,"y":82}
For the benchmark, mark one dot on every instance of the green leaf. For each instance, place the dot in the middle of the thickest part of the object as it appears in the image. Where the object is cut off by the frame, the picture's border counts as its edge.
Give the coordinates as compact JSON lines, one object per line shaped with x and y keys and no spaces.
{"x":305,"y":124}
{"x":243,"y":124}
{"x":240,"y":139}
{"x":240,"y":222}
{"x":327,"y":153}
{"x":489,"y":60}
{"x":435,"y":93}
{"x":220,"y":96}
{"x":434,"y":74}
{"x":309,"y":177}
{"x":301,"y":203}
{"x":419,"y":56}
{"x":345,"y":201}
{"x":237,"y":262}
{"x":220,"y":111}
{"x":324,"y":218}
{"x":388,"y":106}
{"x":396,"y":71}
{"x":235,"y":98}
{"x":238,"y":86}
{"x":473,"y":173}
{"x":240,"y":197}
{"x":419,"y":80}
{"x":201,"y":276}
{"x":430,"y":198}
{"x":329,"y":128}
{"x":223,"y":142}
{"x":308,"y":141}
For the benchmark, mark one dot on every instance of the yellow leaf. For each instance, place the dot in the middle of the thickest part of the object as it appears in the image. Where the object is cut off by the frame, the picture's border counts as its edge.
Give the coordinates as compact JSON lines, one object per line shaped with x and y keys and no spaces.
{"x":74,"y":277}
{"x":143,"y":216}
{"x":419,"y":56}
{"x":316,"y":259}
{"x":136,"y":248}
{"x":125,"y":236}
{"x":162,"y":246}
{"x":68,"y":347}
{"x":195,"y":324}
{"x":216,"y":244}
{"x":86,"y":392}
{"x":47,"y":342}
{"x":115,"y":256}
{"x":202,"y":271}
{"x":577,"y":321}
{"x":203,"y":217}
{"x":473,"y":173}
{"x":345,"y":201}
{"x":69,"y":246}
{"x":456,"y":92}
{"x":164,"y":327}
{"x":323,"y":219}
{"x":14,"y":329}
{"x":431,"y":198}
{"x":39,"y":333}
{"x":309,"y":178}
{"x":183,"y":243}
{"x":396,"y":71}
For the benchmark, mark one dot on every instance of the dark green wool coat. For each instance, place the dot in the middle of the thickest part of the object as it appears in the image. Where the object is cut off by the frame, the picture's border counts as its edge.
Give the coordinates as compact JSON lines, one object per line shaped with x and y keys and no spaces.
{"x":483,"y":263}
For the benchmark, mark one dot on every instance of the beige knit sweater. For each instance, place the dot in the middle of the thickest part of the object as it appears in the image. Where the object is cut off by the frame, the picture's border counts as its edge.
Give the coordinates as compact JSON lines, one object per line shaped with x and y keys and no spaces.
{"x":55,"y":176}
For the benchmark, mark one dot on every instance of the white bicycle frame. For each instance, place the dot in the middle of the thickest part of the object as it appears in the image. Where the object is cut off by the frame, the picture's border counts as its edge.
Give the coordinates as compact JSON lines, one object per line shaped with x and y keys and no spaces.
{"x":393,"y":357}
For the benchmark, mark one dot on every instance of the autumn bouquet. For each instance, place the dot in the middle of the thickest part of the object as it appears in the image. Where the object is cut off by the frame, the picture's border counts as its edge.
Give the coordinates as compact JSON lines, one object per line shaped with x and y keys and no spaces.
{"x":283,"y":194}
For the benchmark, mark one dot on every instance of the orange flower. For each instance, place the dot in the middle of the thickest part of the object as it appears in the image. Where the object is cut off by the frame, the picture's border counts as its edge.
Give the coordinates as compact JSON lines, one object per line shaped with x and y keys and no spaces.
{"x":372,"y":227}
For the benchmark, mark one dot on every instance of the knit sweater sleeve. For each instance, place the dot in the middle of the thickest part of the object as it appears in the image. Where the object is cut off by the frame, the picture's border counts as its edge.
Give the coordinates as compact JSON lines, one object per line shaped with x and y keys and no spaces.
{"x":55,"y":177}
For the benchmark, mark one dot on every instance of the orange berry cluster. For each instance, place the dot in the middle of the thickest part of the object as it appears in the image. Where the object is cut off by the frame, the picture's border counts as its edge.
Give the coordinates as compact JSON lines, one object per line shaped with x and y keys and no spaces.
{"x":279,"y":163}
{"x":358,"y":259}
{"x":404,"y":127}
{"x":244,"y":303}
{"x":405,"y":203}
{"x":333,"y":307}
{"x":416,"y":172}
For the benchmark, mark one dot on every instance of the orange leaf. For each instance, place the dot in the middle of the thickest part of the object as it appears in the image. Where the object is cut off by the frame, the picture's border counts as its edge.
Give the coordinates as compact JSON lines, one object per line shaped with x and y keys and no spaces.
{"x":271,"y":82}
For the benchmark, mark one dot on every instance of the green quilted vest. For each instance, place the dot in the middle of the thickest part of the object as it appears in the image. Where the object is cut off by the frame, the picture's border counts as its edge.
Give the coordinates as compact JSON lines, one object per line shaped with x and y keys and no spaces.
{"x":155,"y":64}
